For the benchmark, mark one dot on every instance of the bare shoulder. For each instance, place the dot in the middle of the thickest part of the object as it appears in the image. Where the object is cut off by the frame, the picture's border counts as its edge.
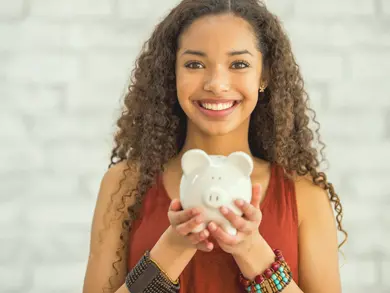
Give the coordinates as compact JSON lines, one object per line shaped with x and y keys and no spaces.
{"x":106,"y":246}
{"x":312,"y":200}
{"x":117,"y":171}
{"x":115,"y":189}
{"x":318,"y":257}
{"x":117,"y":181}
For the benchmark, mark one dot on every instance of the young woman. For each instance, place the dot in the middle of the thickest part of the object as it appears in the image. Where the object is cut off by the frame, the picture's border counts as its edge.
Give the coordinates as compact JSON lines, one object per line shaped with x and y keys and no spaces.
{"x":216,"y":75}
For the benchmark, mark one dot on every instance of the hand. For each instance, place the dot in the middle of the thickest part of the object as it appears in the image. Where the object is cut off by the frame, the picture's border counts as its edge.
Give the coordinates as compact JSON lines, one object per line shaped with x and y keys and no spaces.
{"x":247,"y":226}
{"x":184,"y":221}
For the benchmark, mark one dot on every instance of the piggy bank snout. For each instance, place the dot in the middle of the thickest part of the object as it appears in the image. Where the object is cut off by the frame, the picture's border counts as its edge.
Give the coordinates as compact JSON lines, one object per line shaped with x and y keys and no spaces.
{"x":215,"y":197}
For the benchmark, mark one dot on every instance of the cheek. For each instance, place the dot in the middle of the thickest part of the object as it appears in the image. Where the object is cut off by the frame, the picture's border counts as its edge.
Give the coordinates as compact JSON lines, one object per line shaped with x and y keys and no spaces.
{"x":183,"y":83}
{"x":182,"y":91}
{"x":187,"y":85}
{"x":248,"y":89}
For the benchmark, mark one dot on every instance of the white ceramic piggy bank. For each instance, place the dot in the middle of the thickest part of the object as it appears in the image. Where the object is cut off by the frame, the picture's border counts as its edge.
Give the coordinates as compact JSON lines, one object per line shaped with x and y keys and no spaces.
{"x":214,"y":181}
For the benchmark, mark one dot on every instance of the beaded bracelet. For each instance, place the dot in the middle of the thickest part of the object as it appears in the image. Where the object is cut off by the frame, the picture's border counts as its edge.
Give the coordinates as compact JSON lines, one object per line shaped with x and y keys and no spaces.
{"x":274,"y":279}
{"x":147,"y":277}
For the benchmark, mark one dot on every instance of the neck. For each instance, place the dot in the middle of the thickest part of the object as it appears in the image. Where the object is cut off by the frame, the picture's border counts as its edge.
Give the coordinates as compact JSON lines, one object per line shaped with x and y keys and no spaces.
{"x":236,"y":140}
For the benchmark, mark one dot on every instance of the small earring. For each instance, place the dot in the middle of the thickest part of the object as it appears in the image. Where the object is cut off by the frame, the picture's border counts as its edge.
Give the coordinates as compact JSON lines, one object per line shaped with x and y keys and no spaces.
{"x":262,"y":89}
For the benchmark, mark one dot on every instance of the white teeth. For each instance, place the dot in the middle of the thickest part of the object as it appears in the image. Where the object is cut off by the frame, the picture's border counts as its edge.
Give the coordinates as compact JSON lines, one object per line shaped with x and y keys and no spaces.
{"x":217,"y":106}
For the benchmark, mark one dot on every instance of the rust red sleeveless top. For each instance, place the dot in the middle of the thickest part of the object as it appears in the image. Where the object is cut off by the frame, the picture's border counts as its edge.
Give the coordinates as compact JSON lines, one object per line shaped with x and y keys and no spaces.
{"x":216,"y":271}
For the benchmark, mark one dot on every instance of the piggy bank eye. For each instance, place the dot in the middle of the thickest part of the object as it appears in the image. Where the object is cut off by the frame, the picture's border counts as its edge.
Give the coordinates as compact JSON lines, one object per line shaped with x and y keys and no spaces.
{"x":212,"y":178}
{"x":219,"y":178}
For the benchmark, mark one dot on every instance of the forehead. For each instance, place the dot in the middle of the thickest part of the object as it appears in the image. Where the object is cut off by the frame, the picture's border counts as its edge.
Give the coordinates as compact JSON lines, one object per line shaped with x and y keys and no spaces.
{"x":215,"y":32}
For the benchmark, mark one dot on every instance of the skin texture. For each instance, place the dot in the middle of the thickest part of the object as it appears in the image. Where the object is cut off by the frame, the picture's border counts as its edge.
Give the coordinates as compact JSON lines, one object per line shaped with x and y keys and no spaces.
{"x":160,"y":122}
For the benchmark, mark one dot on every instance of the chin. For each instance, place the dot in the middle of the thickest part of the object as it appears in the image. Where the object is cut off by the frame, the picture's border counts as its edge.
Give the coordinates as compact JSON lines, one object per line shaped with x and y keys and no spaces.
{"x":212,"y":128}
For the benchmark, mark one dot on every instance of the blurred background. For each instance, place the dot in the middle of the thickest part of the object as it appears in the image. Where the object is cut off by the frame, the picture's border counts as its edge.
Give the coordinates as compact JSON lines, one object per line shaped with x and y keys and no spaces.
{"x":64,"y":66}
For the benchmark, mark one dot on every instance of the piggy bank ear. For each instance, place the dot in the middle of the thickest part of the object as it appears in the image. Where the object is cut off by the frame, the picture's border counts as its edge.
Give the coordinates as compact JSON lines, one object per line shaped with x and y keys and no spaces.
{"x":243,"y":161}
{"x":194,"y":159}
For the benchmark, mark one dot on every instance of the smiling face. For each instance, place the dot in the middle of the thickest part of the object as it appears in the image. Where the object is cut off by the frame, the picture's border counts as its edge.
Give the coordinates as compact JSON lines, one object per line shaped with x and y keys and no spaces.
{"x":218,"y":74}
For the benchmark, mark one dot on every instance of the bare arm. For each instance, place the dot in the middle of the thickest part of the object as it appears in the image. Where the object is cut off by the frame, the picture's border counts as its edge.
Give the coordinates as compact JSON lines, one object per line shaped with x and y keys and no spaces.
{"x":172,"y":251}
{"x":318,"y":246}
{"x":105,"y":241}
{"x":318,"y":249}
{"x":168,"y":252}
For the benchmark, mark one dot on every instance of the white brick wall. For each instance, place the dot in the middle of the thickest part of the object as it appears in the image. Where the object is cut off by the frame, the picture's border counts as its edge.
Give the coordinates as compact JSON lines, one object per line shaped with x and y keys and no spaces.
{"x":334,"y":8}
{"x":70,"y":8}
{"x":11,"y":9}
{"x":63,"y":68}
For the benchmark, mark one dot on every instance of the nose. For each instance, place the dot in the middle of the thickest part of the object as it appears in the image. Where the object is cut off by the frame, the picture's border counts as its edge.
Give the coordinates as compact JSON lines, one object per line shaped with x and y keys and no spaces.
{"x":217,"y":81}
{"x":215,"y":197}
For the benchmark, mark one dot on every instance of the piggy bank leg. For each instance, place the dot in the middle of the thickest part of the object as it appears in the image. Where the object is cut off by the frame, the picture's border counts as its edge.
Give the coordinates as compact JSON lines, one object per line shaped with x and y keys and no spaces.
{"x":229,"y":229}
{"x":199,"y":228}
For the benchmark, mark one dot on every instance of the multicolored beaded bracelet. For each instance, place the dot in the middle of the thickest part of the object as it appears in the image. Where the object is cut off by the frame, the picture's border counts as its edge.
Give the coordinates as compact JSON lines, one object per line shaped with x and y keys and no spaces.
{"x":272,"y":280}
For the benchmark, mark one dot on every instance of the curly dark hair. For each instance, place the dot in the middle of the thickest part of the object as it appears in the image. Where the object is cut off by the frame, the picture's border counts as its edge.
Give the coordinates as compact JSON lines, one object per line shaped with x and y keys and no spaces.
{"x":152,"y":127}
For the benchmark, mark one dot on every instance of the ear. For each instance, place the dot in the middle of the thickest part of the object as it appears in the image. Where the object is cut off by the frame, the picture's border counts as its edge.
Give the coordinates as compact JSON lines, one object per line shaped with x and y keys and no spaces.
{"x":194,"y":159}
{"x":263,"y":84}
{"x":243,"y":161}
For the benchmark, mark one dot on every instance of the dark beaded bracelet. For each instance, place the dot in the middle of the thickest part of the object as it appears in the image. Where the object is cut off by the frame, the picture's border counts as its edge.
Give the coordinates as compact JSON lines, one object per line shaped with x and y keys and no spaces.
{"x":147,"y":277}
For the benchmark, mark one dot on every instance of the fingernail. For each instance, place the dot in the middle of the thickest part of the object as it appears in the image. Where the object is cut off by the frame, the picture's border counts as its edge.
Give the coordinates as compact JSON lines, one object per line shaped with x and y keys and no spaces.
{"x":224,"y":210}
{"x":240,"y":202}
{"x":212,"y":227}
{"x":198,"y":219}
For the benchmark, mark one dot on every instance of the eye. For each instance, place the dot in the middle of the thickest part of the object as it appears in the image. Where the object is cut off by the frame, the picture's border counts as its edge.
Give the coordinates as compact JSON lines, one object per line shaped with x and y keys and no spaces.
{"x":194,"y":65}
{"x":240,"y":65}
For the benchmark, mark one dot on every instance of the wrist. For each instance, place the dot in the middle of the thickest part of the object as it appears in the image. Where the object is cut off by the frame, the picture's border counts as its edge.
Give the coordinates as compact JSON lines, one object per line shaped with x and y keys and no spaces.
{"x":179,"y":242}
{"x":274,"y":279}
{"x":147,"y":274}
{"x":171,"y":254}
{"x":258,"y":257}
{"x":257,"y":243}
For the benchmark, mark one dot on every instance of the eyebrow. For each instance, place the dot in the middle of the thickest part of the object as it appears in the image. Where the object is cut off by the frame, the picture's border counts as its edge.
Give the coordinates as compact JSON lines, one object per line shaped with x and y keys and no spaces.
{"x":203,"y":54}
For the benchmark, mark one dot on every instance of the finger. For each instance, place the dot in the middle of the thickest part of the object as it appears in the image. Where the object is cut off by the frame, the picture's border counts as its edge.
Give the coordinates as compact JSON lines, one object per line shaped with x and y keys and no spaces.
{"x":218,"y":233}
{"x":205,"y":246}
{"x":251,"y":213}
{"x":182,"y":216}
{"x":186,"y":227}
{"x":175,"y":205}
{"x":196,"y":238}
{"x":256,"y":195}
{"x":240,"y":223}
{"x":176,"y":218}
{"x":201,"y":240}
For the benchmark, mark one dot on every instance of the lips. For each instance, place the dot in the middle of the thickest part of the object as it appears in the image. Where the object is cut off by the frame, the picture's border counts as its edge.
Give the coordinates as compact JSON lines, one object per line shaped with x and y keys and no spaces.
{"x":217,"y":105}
{"x":217,"y":108}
